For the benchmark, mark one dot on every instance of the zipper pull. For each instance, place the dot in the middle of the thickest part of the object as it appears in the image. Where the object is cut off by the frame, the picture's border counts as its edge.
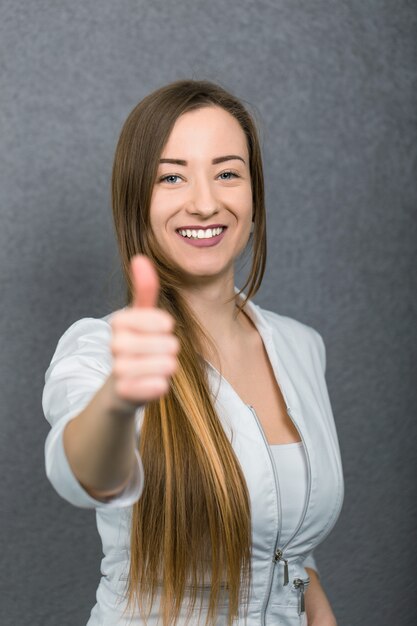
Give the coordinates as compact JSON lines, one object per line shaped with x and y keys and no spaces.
{"x":299,"y":584}
{"x":278,"y":556}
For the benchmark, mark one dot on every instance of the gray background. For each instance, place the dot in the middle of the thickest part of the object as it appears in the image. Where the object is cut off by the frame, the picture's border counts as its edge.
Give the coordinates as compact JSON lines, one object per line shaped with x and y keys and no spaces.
{"x":334,"y":88}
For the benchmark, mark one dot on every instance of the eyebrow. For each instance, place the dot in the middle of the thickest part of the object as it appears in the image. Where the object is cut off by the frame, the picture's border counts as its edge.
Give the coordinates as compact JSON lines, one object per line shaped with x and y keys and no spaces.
{"x":228,"y":157}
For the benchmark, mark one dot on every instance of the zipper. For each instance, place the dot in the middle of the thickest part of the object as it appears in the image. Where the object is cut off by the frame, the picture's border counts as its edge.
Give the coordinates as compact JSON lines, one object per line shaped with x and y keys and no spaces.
{"x":275,"y":558}
{"x":278,"y":554}
{"x":300,"y":585}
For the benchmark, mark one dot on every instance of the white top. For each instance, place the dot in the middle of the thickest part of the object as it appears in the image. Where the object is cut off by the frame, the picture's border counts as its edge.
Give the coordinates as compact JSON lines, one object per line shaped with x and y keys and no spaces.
{"x":290,"y":461}
{"x":81,"y":364}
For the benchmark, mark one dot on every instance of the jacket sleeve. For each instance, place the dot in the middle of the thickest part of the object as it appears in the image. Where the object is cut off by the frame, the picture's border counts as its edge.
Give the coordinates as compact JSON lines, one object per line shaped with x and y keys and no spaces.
{"x":310,"y":562}
{"x":79,"y":367}
{"x":322,"y":351}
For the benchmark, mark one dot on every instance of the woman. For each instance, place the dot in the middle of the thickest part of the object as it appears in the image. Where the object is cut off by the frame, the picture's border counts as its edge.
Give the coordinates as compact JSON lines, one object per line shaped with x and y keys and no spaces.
{"x":197,"y":424}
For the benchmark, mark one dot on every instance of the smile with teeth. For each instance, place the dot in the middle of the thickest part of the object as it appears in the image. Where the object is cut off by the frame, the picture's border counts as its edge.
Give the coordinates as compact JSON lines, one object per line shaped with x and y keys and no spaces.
{"x":200,"y":233}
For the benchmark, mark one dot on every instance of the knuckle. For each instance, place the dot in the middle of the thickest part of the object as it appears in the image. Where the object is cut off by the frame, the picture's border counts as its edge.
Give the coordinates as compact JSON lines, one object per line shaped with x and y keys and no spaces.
{"x":118,"y":369}
{"x":162,"y":384}
{"x":115,"y":344}
{"x":162,"y":321}
{"x":169,"y":365}
{"x":165,"y":387}
{"x":175,"y":344}
{"x":120,"y":343}
{"x":168,"y":319}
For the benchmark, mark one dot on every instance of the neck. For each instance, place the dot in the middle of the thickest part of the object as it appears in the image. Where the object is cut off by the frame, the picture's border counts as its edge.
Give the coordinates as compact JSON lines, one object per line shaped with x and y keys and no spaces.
{"x":215,"y":308}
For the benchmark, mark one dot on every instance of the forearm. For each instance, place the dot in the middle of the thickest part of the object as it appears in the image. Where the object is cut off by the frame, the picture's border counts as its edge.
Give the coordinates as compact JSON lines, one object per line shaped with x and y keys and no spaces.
{"x":318,"y":609}
{"x":100,"y":442}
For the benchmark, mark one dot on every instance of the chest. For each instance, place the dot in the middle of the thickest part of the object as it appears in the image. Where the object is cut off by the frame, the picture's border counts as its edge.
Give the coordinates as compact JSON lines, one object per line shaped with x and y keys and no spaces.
{"x":253,"y":379}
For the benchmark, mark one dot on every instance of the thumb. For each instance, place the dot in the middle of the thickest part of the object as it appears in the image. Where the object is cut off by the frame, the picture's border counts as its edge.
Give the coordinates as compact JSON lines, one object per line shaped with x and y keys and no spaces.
{"x":145,"y":281}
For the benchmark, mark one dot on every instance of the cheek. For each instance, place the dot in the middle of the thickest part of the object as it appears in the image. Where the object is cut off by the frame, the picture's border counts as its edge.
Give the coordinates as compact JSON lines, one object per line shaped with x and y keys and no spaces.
{"x":164,"y":204}
{"x":157,"y":214}
{"x":245,"y":199}
{"x":239,"y":200}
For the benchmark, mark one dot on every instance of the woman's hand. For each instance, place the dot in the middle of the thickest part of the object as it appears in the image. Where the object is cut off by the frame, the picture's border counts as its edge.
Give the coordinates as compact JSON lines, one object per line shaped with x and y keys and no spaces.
{"x":318,"y":609}
{"x":143,"y":344}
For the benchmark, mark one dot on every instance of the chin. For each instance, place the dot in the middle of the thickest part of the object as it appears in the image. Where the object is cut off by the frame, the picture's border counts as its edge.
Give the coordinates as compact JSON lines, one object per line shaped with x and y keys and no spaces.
{"x":205,"y":272}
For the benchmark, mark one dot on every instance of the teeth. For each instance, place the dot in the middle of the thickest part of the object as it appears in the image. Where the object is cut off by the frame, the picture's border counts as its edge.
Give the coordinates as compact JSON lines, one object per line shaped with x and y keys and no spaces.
{"x":200,"y":233}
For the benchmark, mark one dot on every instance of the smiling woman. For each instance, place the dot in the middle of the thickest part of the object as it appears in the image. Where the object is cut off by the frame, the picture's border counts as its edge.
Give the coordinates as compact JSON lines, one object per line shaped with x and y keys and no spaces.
{"x":203,"y":192}
{"x":197,"y":424}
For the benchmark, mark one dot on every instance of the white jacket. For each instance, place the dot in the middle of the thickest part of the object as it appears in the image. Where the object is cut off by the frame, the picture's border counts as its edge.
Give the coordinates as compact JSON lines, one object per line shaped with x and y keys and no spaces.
{"x":80,"y":365}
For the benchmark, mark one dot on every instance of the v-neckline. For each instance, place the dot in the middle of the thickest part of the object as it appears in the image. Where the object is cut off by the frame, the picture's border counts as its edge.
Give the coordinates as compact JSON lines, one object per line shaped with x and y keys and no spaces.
{"x":249,"y":310}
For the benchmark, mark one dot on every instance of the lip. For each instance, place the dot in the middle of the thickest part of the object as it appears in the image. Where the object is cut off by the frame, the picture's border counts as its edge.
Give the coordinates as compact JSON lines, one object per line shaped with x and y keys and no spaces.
{"x":204,"y":243}
{"x":201,"y":227}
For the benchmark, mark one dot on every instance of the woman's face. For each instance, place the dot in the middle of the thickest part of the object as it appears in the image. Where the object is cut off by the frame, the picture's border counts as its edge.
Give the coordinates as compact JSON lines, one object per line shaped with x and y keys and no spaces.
{"x":203,"y":184}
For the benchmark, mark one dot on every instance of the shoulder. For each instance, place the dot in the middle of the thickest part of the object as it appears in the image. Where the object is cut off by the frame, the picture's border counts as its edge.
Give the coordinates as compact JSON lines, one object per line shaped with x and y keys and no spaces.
{"x":86,"y":329}
{"x":84,"y":342}
{"x":80,"y":363}
{"x":300,"y":336}
{"x":289,"y":325}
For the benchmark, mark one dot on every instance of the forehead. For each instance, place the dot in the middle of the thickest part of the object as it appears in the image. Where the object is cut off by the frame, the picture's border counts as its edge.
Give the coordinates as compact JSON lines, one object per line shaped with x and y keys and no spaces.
{"x":209,"y":131}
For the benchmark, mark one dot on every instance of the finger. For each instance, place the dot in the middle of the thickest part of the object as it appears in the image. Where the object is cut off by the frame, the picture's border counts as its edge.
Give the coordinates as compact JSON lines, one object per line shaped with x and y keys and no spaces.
{"x":147,"y":388}
{"x":133,"y":367}
{"x":145,"y":281}
{"x":142,"y":320}
{"x":145,"y":344}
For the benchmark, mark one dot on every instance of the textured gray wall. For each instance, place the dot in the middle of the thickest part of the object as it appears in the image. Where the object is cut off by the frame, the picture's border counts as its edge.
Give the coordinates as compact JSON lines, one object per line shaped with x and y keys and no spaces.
{"x":334,"y":86}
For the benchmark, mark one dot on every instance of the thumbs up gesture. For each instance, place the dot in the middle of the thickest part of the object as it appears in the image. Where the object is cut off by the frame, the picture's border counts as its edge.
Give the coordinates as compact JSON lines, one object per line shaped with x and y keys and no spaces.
{"x":143,"y":344}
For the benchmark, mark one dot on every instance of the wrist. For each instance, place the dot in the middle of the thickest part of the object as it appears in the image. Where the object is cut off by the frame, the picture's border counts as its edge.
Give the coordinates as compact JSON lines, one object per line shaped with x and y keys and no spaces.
{"x":108,"y":494}
{"x":118,"y":407}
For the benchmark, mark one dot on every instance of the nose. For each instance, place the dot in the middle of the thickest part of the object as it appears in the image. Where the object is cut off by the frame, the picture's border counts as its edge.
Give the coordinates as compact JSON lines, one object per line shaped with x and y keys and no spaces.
{"x":202,"y":200}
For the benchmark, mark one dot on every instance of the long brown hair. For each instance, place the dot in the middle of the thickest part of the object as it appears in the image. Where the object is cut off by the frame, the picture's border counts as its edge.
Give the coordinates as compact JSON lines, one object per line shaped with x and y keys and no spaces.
{"x":193,"y":518}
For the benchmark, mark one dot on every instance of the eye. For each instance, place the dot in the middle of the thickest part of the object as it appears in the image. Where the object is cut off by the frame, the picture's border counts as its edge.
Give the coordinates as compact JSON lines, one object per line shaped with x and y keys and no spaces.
{"x":228,"y":175}
{"x":169,"y":179}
